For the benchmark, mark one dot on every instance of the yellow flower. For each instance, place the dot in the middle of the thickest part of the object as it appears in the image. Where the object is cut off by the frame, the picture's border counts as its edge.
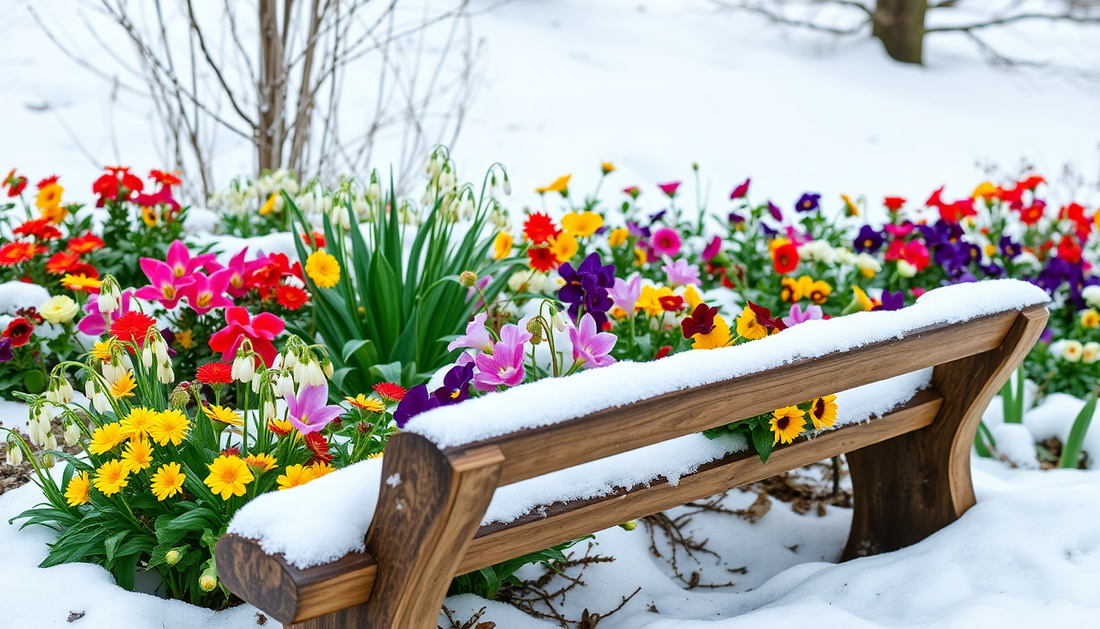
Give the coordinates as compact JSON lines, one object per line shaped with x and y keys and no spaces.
{"x":366,"y":403}
{"x":823,"y":411}
{"x":137,"y":455}
{"x":985,"y":190}
{"x":280,"y":426}
{"x":861,"y":297}
{"x":262,"y":462}
{"x":323,"y":269}
{"x":185,"y":339}
{"x":748,"y":327}
{"x":223,"y":415}
{"x":110,"y":478}
{"x":60,"y":309}
{"x":990,"y":249}
{"x":294,"y":476}
{"x":55,"y":214}
{"x":137,"y":422}
{"x":268,"y":206}
{"x":650,"y":300}
{"x":787,"y":423}
{"x":76,"y":492}
{"x":167,"y":481}
{"x":692,"y":297}
{"x":502,"y":245}
{"x":850,"y":208}
{"x":1090,"y":318}
{"x":124,"y":386}
{"x":564,"y":247}
{"x":106,"y":437}
{"x":320,"y":469}
{"x":80,"y":282}
{"x":793,"y":290}
{"x":640,"y":257}
{"x":228,"y":476}
{"x":102,"y":349}
{"x":607,"y":168}
{"x":718,"y":337}
{"x":618,"y":237}
{"x":49,"y":197}
{"x":149,"y":216}
{"x":582,"y":225}
{"x":819,"y":291}
{"x":561,"y":185}
{"x":169,"y":426}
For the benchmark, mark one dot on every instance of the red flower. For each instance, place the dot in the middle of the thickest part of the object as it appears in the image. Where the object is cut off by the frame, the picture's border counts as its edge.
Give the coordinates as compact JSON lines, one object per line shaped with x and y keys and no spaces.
{"x":935,"y":200}
{"x":165,"y":179}
{"x":19,"y":331}
{"x":1031,"y":214}
{"x":540,"y":259}
{"x":1069,"y":250}
{"x":1030,"y":183}
{"x":701,"y":321}
{"x":785,"y":258}
{"x":116,"y":185}
{"x":14,"y":183}
{"x":62,"y":262}
{"x":290,"y":297}
{"x":132,"y":326}
{"x":914,"y":252}
{"x":318,"y":445}
{"x":664,"y":351}
{"x":672,"y":303}
{"x":669,"y":188}
{"x":390,"y":391}
{"x":40,"y":228}
{"x":273,"y":427}
{"x":85,"y":244}
{"x":86,"y":270}
{"x":277,"y":267}
{"x":316,"y":240}
{"x":764,"y":318}
{"x":538,"y":228}
{"x":260,"y":329}
{"x":1076,"y":213}
{"x":215,"y":373}
{"x":162,"y":197}
{"x":48,"y":181}
{"x":633,"y":191}
{"x":17,"y":251}
{"x":741,"y":190}
{"x":893,"y":203}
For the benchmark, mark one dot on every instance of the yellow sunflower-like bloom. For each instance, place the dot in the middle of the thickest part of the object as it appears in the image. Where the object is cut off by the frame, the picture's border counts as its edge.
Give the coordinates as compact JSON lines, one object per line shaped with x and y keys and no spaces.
{"x":564,"y":247}
{"x":1090,"y":318}
{"x":76,"y":492}
{"x":167,"y":481}
{"x":823,"y":411}
{"x":368,"y":404}
{"x":223,"y":415}
{"x":137,"y":455}
{"x":124,"y":386}
{"x":320,"y":469}
{"x":228,"y":476}
{"x":261,"y":461}
{"x":323,"y":269}
{"x":169,"y":427}
{"x":581,"y":225}
{"x":110,"y":478}
{"x":295,"y":476}
{"x":787,"y":423}
{"x":49,"y":197}
{"x":105,"y":438}
{"x":102,"y":349}
{"x":137,"y":422}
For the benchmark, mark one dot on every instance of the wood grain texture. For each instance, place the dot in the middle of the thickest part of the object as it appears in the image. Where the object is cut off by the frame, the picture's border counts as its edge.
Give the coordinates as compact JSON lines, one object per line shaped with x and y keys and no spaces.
{"x":679,"y":413}
{"x":428,"y":511}
{"x":911,"y":486}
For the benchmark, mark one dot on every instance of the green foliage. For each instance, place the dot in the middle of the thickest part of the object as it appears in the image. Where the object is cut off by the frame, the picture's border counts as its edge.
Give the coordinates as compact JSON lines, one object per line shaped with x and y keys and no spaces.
{"x":1071,"y":452}
{"x":486,"y":582}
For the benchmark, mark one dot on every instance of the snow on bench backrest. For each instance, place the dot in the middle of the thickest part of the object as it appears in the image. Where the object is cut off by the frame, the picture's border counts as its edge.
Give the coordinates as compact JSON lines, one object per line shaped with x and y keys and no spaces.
{"x":287,"y":522}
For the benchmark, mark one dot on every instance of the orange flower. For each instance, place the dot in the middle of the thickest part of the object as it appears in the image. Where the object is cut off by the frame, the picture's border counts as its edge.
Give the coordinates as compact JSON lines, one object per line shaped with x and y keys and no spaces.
{"x":16,"y":252}
{"x":85,"y":244}
{"x":62,"y":262}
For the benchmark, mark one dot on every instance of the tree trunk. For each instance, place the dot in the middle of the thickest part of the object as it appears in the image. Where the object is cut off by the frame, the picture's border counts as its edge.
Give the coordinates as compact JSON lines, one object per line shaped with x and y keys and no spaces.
{"x":900,"y":26}
{"x":270,"y":131}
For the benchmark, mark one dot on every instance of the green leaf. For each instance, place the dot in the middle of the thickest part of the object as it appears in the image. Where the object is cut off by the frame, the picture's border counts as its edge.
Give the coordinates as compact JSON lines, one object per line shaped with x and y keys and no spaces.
{"x":764,"y":441}
{"x":111,"y":544}
{"x":390,"y":372}
{"x":353,"y":346}
{"x":1071,"y":453}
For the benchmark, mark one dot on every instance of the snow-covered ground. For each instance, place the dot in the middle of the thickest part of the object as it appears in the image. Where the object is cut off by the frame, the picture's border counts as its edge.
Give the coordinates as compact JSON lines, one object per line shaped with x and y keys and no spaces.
{"x":1027,"y":555}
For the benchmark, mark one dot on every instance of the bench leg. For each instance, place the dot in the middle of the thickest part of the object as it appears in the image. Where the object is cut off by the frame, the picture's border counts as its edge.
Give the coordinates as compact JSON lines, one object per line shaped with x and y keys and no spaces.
{"x":429,"y":508}
{"x":906,"y":488}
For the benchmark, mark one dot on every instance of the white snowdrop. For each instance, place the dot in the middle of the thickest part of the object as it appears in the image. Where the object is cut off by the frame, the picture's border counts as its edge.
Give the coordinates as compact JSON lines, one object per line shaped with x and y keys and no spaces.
{"x":15,"y":453}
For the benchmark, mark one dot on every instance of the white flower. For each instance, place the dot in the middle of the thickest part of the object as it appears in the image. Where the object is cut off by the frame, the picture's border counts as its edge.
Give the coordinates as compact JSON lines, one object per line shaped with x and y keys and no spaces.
{"x":284,"y":385}
{"x":72,"y":434}
{"x":1091,"y":352}
{"x":15,"y":453}
{"x":1072,"y":351}
{"x":867,"y":263}
{"x":165,"y":374}
{"x":817,"y":250}
{"x":1092,"y":295}
{"x":109,"y":298}
{"x":905,"y":269}
{"x":244,"y":367}
{"x":60,"y":309}
{"x":374,"y":192}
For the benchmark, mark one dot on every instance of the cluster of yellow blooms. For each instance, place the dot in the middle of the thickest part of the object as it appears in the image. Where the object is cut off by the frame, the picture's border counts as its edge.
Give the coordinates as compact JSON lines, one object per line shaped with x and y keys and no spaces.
{"x":789,"y":422}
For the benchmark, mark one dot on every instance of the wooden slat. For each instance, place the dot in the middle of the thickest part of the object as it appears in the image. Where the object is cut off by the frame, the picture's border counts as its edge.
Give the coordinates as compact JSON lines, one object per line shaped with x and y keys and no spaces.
{"x":498,"y":542}
{"x":543,"y":450}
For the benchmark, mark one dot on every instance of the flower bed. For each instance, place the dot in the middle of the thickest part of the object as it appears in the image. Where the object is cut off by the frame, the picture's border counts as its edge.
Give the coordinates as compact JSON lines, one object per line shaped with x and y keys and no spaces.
{"x":317,"y":322}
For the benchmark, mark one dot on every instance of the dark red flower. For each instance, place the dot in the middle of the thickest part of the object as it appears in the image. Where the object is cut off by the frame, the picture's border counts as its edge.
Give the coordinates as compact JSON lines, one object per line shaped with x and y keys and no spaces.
{"x":215,"y":373}
{"x":290,"y":297}
{"x":542,"y":259}
{"x":538,"y":228}
{"x":318,"y":445}
{"x":132,"y":326}
{"x":390,"y":391}
{"x":672,"y":303}
{"x":19,"y":331}
{"x":701,"y":321}
{"x":14,"y":183}
{"x":234,"y":451}
{"x":764,"y":318}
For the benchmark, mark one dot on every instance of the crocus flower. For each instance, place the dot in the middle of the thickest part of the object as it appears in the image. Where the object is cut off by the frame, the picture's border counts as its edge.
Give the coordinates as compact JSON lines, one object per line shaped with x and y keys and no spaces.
{"x":590,"y":347}
{"x":504,"y":367}
{"x":891,"y":301}
{"x":715,"y":245}
{"x":239,"y":270}
{"x":164,"y":284}
{"x":868,"y":240}
{"x":680,"y":273}
{"x":477,"y":336}
{"x":179,"y":258}
{"x":456,"y":383}
{"x":808,"y":202}
{"x":626,"y":293}
{"x":206,"y":293}
{"x":94,"y":323}
{"x":587,"y":286}
{"x":798,"y":316}
{"x":307,"y":410}
{"x":260,"y":329}
{"x":415,"y":402}
{"x":669,"y":188}
{"x":741,"y":190}
{"x":665,"y":241}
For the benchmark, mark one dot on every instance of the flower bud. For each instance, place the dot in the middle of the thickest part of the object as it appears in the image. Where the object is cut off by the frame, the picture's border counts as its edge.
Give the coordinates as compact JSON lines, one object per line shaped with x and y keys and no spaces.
{"x":72,"y":434}
{"x":15,"y":453}
{"x":507,"y":186}
{"x":327,"y":368}
{"x":50,"y":442}
{"x":244,"y":367}
{"x":468,"y":279}
{"x":147,"y":356}
{"x":534,"y":326}
{"x":172,"y":557}
{"x":208,"y":581}
{"x":629,"y":526}
{"x":180,"y":395}
{"x":374,"y":192}
{"x":165,"y":374}
{"x":48,"y":461}
{"x":65,"y":392}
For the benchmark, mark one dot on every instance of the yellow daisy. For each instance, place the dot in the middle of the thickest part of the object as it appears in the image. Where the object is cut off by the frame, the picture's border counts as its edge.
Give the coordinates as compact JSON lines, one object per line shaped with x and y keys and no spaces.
{"x":110,"y":478}
{"x":167,"y":481}
{"x":323,"y":269}
{"x":583,"y":224}
{"x":80,"y":282}
{"x":102,"y":349}
{"x":137,"y":422}
{"x":320,"y":469}
{"x":169,"y":426}
{"x":223,"y":415}
{"x":564,"y":246}
{"x":366,"y":403}
{"x":787,"y":423}
{"x":294,"y":476}
{"x":137,"y":455}
{"x":228,"y":476}
{"x":106,"y":437}
{"x":124,"y":386}
{"x":76,"y":492}
{"x":262,"y":462}
{"x":502,"y":245}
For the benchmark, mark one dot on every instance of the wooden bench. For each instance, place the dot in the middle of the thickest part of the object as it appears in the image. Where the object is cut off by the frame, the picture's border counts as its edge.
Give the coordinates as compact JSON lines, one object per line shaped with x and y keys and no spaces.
{"x":910,"y":473}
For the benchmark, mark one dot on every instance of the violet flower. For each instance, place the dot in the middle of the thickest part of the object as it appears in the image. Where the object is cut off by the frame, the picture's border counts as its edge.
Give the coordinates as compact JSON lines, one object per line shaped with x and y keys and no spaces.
{"x":626,"y":293}
{"x":680,"y":273}
{"x":415,"y":402}
{"x":456,"y":384}
{"x":869,"y":240}
{"x":774,"y":210}
{"x":587,"y":286}
{"x":891,"y":301}
{"x":477,"y":336}
{"x":504,"y":367}
{"x":715,"y":245}
{"x":808,"y":202}
{"x":591,"y":348}
{"x":6,"y":352}
{"x":797,"y":316}
{"x":307,"y":410}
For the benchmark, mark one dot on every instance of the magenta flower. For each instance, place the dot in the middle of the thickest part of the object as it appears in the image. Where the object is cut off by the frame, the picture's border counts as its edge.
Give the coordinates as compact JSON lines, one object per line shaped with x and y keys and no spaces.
{"x":307,"y":410}
{"x":712,"y":248}
{"x":798,"y":316}
{"x":260,"y":330}
{"x":206,"y":293}
{"x":625,"y":294}
{"x":94,"y":323}
{"x":238,"y":271}
{"x":669,"y":188}
{"x":665,"y":241}
{"x":591,"y":348}
{"x":477,"y":336}
{"x":741,"y":190}
{"x":179,"y":258}
{"x":504,"y":367}
{"x":680,"y":273}
{"x":164,"y":284}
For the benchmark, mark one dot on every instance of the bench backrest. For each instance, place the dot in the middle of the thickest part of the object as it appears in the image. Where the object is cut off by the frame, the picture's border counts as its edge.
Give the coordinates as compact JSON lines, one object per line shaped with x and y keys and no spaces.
{"x":426,"y":526}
